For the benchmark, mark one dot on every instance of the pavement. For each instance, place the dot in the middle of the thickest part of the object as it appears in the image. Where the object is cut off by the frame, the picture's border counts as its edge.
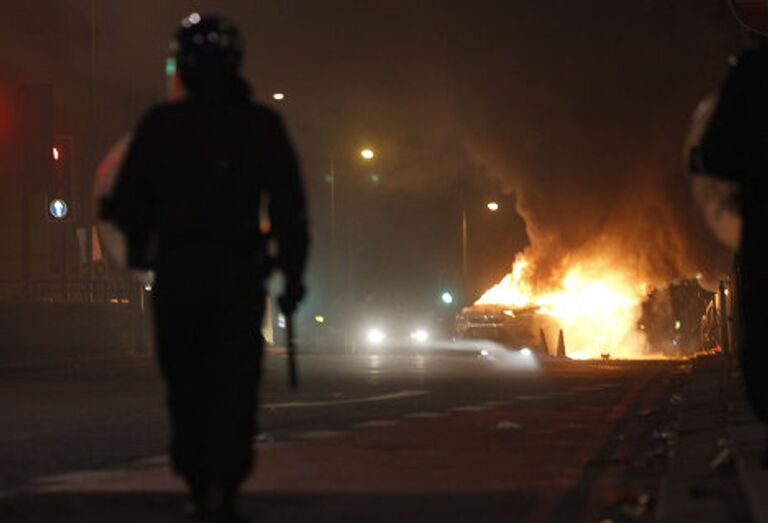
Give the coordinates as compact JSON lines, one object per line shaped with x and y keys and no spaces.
{"x":671,"y":442}
{"x":716,"y":471}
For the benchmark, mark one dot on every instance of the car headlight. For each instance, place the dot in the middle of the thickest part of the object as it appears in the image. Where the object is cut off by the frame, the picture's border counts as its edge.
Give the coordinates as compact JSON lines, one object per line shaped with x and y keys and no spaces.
{"x":375,"y":336}
{"x":526,"y":352}
{"x":420,"y":336}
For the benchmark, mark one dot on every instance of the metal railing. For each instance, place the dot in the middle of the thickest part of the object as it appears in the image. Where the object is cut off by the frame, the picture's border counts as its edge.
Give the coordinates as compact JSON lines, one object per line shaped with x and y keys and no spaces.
{"x":80,"y":291}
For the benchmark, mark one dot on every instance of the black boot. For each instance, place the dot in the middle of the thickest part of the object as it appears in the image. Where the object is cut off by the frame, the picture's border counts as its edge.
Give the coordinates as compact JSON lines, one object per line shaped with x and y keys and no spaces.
{"x":224,"y":505}
{"x":198,"y":506}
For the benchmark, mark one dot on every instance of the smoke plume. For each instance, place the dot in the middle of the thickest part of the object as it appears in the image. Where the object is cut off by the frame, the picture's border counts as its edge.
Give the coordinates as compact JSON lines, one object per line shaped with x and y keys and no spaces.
{"x":590,"y":141}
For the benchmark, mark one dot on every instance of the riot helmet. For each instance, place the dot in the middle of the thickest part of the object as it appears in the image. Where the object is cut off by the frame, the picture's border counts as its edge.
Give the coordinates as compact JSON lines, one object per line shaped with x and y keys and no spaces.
{"x":207,"y":49}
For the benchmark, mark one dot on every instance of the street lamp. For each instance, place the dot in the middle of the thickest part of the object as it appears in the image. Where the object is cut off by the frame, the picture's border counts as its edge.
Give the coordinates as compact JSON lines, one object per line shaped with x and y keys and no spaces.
{"x":278,"y":97}
{"x":493,"y":206}
{"x":367,"y":154}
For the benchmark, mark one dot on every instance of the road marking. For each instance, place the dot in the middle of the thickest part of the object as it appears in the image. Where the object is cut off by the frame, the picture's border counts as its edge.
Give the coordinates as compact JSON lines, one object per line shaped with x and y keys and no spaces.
{"x":75,"y":477}
{"x":375,"y":423}
{"x":471,"y":408}
{"x":264,"y":438}
{"x":426,"y":415}
{"x":318,"y":434}
{"x":332,"y":403}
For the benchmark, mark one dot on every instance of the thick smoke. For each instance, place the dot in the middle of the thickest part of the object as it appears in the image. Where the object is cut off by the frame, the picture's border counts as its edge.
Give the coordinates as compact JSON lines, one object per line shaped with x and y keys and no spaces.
{"x":640,"y":218}
{"x":591,"y":140}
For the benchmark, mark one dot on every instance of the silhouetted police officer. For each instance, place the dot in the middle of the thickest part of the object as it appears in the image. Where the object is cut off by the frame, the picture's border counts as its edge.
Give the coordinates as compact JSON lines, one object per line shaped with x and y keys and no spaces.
{"x":189,"y":198}
{"x":735,"y":148}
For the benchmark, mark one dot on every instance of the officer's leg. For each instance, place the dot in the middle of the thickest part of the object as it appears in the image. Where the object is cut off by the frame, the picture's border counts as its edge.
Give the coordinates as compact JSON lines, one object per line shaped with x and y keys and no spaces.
{"x":237,"y":348}
{"x":179,"y":350}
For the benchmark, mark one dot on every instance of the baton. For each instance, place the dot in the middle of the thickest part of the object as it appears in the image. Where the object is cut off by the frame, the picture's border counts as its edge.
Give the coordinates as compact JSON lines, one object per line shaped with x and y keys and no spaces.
{"x":293,"y":373}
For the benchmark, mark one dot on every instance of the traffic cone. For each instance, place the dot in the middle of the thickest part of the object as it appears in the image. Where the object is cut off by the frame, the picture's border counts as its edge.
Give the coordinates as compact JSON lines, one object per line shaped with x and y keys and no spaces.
{"x":543,"y":345}
{"x":561,"y":345}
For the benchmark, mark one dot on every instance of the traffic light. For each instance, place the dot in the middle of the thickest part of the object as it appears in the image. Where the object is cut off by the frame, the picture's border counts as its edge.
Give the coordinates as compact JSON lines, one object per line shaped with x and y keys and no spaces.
{"x":60,"y":197}
{"x":447,"y":298}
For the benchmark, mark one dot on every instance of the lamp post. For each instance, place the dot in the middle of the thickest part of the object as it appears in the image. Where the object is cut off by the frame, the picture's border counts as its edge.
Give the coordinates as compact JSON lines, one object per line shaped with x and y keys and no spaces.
{"x":366,"y":154}
{"x":492,"y":206}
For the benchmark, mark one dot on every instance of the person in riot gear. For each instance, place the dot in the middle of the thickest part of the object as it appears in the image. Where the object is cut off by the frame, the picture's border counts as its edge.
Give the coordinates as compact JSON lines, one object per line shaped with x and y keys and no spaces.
{"x":734,"y":148}
{"x":188,"y":199}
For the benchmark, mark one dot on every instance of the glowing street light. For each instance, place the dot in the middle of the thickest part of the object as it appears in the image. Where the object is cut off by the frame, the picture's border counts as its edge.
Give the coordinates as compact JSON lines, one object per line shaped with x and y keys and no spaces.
{"x":493,"y":206}
{"x":367,"y":154}
{"x":278,"y":97}
{"x":447,"y":298}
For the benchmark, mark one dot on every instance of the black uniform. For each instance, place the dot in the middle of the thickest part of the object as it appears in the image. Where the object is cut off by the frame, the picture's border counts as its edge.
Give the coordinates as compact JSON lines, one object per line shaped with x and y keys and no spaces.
{"x":735,"y":147}
{"x":189,"y":198}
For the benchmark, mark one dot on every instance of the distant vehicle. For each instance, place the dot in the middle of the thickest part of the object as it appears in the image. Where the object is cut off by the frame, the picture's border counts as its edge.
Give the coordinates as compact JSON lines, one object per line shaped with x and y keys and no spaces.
{"x":391,"y":329}
{"x":384,"y":336}
{"x":515,"y":328}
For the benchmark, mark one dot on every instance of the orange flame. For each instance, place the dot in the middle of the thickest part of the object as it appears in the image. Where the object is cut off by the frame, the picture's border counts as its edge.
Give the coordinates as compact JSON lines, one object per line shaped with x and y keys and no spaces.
{"x":598,"y":307}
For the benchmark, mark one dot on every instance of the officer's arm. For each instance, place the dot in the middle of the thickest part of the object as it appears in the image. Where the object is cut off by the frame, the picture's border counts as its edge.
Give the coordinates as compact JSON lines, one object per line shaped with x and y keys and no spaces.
{"x":724,"y":148}
{"x":130,"y":206}
{"x":287,"y":204}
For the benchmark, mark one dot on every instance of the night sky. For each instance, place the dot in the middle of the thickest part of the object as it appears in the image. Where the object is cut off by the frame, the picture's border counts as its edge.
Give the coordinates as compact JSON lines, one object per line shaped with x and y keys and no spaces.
{"x":575,"y":110}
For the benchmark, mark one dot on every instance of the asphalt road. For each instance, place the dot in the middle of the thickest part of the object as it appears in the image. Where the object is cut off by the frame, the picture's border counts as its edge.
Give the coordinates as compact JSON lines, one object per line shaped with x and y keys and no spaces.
{"x":585,"y":439}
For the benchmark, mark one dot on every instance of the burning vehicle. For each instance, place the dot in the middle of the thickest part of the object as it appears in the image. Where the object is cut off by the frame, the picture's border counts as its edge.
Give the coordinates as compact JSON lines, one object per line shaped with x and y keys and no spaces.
{"x":597,"y":307}
{"x":515,"y":328}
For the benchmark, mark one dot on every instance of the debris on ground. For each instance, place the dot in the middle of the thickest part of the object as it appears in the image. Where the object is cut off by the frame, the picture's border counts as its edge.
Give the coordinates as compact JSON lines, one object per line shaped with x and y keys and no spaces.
{"x":508,"y":425}
{"x":630,"y":506}
{"x":638,"y":508}
{"x":723,"y":458}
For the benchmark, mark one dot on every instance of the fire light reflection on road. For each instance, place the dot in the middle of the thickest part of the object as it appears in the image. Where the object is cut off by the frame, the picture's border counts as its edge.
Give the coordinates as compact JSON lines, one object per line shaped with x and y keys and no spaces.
{"x":488,"y":351}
